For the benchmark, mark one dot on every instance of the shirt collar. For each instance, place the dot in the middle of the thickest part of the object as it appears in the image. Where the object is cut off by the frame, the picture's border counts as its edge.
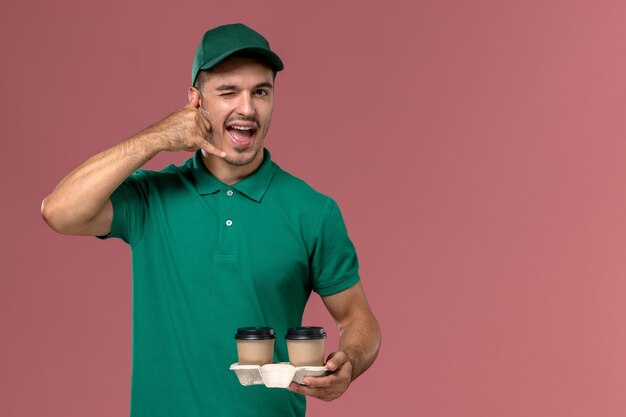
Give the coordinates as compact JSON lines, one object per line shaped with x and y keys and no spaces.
{"x":253,"y":186}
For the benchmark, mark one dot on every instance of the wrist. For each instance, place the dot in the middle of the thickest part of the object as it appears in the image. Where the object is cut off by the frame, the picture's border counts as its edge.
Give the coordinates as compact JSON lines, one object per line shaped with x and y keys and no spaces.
{"x":148,"y":144}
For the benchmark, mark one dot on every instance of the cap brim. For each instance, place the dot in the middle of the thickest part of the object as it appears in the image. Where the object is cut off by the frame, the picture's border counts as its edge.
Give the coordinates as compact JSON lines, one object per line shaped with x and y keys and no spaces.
{"x":275,"y":62}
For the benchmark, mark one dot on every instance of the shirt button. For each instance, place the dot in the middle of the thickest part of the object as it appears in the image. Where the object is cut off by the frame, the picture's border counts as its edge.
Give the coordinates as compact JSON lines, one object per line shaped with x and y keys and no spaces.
{"x":229,"y":193}
{"x":229,"y":222}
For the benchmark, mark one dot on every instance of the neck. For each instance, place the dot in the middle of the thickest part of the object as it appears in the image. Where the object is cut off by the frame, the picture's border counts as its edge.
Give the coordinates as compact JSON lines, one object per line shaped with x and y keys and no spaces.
{"x":227,"y":173}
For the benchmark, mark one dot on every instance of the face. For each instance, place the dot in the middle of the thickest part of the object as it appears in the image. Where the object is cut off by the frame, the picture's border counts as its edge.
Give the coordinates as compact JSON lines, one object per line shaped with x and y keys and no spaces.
{"x":237,"y":98}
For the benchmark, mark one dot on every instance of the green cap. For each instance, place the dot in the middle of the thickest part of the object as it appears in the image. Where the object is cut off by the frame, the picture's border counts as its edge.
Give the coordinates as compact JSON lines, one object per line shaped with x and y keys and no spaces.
{"x":221,"y":42}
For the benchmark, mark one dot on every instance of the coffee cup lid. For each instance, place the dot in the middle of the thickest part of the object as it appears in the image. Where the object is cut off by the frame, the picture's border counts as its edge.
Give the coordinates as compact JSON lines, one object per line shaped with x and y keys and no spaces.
{"x":305,"y":333}
{"x":255,"y":333}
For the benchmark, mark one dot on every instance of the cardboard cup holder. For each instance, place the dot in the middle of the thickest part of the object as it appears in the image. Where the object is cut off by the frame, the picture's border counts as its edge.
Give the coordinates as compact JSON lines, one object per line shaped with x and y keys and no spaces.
{"x":275,"y":375}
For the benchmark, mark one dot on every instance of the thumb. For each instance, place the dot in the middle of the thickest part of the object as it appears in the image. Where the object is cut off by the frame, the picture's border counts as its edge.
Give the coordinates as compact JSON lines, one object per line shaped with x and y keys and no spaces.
{"x":193,"y":96}
{"x":335,"y":360}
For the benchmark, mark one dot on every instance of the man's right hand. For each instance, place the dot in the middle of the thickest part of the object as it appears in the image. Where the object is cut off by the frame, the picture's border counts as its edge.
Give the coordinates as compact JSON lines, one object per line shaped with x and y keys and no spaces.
{"x":186,"y":129}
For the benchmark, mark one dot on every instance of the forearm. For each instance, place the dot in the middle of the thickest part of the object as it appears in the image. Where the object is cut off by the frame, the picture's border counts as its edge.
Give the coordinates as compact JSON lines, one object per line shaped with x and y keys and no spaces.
{"x":80,"y":203}
{"x":360,"y":340}
{"x":82,"y":194}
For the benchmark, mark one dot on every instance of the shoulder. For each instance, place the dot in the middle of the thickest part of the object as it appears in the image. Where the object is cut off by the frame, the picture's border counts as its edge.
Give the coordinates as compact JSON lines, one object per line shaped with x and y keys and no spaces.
{"x":289,"y":186}
{"x":171,"y":174}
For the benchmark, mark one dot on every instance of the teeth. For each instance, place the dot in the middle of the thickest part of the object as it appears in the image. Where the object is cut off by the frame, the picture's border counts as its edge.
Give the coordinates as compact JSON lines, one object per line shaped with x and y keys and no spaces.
{"x":242,"y":127}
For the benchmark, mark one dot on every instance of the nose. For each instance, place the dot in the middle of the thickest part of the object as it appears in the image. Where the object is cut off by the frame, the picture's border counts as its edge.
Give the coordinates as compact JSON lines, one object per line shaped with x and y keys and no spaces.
{"x":246,"y":105}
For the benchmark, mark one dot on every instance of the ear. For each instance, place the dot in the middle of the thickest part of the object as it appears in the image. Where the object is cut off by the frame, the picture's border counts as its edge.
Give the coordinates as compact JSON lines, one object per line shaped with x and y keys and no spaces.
{"x":193,"y":96}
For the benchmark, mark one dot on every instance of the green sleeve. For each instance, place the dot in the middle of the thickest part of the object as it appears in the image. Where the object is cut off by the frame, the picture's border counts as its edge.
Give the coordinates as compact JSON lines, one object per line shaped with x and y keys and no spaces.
{"x":129,"y":202}
{"x":334,"y":263}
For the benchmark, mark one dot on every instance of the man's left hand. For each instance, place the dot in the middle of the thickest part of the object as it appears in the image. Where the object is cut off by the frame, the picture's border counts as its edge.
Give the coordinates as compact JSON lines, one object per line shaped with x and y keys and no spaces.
{"x":331,"y":386}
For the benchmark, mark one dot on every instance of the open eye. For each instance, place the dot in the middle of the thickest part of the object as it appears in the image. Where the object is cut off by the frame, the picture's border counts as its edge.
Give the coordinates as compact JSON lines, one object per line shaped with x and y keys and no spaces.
{"x":261,"y":92}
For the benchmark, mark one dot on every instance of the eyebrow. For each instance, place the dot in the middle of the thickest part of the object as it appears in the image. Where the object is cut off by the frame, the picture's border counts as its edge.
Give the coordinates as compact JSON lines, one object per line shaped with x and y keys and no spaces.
{"x":225,"y":87}
{"x":264,"y":85}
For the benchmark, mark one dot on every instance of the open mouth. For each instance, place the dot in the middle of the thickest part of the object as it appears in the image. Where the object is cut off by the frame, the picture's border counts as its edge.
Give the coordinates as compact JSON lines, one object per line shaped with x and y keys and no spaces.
{"x":241,"y":135}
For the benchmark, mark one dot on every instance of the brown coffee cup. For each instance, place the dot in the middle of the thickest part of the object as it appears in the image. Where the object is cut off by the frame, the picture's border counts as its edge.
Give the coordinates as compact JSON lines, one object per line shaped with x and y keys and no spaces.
{"x":255,"y":345}
{"x":306,"y":346}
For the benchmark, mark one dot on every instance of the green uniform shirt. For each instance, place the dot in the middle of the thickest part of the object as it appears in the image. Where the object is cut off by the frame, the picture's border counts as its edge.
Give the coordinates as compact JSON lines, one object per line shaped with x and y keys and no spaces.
{"x":209,"y":258}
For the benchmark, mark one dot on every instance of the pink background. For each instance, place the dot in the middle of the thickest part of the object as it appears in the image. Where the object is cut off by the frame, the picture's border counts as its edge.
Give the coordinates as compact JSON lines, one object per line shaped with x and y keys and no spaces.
{"x":476,"y":149}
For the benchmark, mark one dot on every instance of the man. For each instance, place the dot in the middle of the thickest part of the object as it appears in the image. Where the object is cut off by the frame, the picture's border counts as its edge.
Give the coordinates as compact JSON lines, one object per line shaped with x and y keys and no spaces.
{"x":225,"y":240}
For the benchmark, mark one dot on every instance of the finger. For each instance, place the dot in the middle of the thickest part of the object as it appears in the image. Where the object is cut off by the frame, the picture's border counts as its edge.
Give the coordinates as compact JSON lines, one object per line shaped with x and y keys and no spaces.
{"x":203,"y":144}
{"x":321,"y":381}
{"x":203,"y":119}
{"x":304,"y":390}
{"x":321,"y":393}
{"x":202,"y":126}
{"x":341,"y":376}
